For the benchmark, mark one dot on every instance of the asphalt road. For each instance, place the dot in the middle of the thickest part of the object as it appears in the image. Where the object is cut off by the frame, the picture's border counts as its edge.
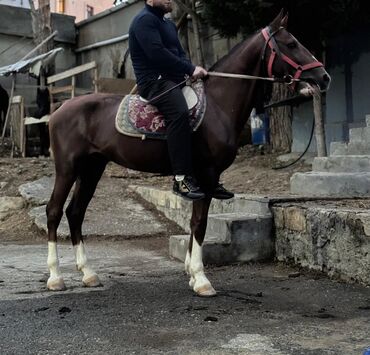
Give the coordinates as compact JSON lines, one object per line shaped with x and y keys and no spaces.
{"x":146,"y":306}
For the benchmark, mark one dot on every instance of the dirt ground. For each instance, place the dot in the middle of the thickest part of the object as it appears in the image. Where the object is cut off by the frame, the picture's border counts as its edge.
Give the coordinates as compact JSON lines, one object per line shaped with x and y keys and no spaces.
{"x":252,"y":172}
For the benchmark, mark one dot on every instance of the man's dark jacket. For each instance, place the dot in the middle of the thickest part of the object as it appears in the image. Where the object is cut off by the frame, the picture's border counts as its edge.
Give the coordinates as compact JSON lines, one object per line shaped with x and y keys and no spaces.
{"x":155,"y":48}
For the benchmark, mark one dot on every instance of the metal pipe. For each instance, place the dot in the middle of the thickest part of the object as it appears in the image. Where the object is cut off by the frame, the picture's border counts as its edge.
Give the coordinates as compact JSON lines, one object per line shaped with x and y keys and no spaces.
{"x":39,"y":45}
{"x":102,"y":43}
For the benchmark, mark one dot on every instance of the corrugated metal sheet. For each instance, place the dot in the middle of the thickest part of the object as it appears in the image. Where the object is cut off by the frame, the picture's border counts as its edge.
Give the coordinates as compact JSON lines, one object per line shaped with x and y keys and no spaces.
{"x":24,"y":65}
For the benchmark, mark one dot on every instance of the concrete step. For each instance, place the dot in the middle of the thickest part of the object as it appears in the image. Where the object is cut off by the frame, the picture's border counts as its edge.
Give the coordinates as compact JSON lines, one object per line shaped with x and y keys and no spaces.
{"x":231,"y":237}
{"x":338,"y":148}
{"x":367,"y":119}
{"x":330,"y":184}
{"x":351,"y":148}
{"x":342,"y":164}
{"x":179,"y":210}
{"x":361,"y":134}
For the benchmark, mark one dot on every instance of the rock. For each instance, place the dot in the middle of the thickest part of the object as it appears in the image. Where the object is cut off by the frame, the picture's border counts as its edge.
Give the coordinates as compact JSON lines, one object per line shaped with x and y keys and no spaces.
{"x":3,"y":184}
{"x":9,"y":205}
{"x":37,"y":192}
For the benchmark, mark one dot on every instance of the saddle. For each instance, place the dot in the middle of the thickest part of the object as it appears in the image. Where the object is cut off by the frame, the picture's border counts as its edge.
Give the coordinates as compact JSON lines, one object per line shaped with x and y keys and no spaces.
{"x":137,"y":118}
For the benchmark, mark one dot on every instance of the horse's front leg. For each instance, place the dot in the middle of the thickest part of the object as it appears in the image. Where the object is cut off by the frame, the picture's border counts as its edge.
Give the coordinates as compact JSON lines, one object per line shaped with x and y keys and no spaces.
{"x":83,"y":192}
{"x":54,"y":211}
{"x":194,"y":260}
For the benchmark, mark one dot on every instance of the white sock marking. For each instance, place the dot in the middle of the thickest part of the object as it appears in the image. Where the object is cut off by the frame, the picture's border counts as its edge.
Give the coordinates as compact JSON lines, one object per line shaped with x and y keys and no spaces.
{"x":197,"y":268}
{"x":81,"y":261}
{"x":53,"y":261}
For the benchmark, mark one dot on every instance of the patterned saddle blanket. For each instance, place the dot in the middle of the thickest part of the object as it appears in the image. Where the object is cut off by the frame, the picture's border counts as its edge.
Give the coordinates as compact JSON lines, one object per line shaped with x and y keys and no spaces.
{"x":136,"y":118}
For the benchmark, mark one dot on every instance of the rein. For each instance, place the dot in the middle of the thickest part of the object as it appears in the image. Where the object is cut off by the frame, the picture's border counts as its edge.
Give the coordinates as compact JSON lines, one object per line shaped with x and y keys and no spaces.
{"x":275,"y":52}
{"x":287,"y":79}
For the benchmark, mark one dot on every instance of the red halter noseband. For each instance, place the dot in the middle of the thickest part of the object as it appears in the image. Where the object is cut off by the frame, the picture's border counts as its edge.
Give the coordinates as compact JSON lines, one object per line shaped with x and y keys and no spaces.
{"x":275,"y":52}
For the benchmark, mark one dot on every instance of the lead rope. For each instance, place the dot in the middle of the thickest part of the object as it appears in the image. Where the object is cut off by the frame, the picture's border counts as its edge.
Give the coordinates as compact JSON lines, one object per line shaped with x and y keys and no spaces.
{"x":302,"y":154}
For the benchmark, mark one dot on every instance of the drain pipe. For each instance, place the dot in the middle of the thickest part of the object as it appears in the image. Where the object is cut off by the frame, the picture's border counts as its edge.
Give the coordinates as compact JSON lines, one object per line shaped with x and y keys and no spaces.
{"x":102,"y":43}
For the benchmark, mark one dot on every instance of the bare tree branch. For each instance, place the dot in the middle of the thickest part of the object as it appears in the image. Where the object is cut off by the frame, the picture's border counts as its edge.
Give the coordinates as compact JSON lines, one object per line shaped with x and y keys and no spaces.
{"x":186,"y":8}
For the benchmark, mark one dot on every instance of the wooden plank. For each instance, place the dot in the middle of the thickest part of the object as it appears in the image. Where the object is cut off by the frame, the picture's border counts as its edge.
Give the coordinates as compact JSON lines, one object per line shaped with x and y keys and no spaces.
{"x":73,"y":93}
{"x":71,"y":72}
{"x":32,"y":120}
{"x":95,"y":82}
{"x":17,"y":99}
{"x":58,"y":89}
{"x":22,"y":131}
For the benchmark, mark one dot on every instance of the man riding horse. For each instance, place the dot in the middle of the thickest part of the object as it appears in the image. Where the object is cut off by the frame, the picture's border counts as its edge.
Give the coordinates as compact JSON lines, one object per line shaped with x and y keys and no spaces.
{"x":84,"y":136}
{"x":160,"y":64}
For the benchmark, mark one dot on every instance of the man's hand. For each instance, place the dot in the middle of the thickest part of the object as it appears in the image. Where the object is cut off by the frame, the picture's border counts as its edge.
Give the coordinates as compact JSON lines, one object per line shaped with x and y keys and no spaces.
{"x":198,"y":73}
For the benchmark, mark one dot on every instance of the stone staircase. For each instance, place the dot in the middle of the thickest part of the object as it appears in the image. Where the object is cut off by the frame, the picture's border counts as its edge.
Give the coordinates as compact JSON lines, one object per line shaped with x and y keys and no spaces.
{"x":239,"y":229}
{"x":345,"y":173}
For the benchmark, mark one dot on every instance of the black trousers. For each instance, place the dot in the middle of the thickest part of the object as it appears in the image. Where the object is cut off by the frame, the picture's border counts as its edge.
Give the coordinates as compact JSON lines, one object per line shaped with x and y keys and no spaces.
{"x":176,"y":114}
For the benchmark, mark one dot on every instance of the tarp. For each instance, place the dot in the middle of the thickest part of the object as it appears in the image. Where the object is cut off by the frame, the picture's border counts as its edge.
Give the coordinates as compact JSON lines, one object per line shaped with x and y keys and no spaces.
{"x":32,"y":64}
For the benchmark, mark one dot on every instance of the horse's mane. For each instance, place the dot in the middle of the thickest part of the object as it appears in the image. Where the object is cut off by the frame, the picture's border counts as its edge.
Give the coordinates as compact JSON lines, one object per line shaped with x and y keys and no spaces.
{"x":234,"y":49}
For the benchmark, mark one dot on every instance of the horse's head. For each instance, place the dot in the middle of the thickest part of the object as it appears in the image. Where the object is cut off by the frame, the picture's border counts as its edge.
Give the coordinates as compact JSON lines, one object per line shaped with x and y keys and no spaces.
{"x":286,"y":58}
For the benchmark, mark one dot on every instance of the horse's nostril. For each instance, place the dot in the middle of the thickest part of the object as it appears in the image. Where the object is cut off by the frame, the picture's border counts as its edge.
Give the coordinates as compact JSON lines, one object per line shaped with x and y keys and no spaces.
{"x":326,"y":77}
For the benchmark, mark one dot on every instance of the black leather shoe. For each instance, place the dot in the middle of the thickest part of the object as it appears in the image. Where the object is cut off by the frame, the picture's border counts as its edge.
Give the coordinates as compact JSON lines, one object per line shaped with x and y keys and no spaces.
{"x":220,"y":193}
{"x":188,"y":188}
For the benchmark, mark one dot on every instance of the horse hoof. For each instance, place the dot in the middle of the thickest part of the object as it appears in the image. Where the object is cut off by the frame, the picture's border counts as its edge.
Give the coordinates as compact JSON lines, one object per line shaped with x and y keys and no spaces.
{"x":192,"y":282}
{"x":91,"y":281}
{"x":56,"y":284}
{"x":205,"y":291}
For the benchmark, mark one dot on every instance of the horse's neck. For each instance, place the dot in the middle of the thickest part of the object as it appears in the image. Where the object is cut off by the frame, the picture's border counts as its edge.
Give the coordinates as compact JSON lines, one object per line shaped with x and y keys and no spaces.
{"x":236,"y":97}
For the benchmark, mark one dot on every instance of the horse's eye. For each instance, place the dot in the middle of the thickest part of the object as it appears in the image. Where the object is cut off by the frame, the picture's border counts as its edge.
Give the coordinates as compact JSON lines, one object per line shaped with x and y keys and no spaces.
{"x":292,"y":45}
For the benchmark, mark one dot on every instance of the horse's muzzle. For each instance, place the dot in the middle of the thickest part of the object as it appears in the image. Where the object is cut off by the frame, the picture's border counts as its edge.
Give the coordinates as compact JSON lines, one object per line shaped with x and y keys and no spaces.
{"x":325,"y":83}
{"x":318,"y":78}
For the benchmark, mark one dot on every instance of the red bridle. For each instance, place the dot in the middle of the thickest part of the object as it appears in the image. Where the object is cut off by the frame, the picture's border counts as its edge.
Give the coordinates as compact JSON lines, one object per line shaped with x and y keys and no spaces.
{"x":275,"y":52}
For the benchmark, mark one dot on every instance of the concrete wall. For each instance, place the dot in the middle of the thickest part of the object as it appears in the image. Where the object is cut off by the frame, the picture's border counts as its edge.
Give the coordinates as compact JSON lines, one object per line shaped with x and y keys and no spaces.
{"x":16,"y":23}
{"x":107,"y":25}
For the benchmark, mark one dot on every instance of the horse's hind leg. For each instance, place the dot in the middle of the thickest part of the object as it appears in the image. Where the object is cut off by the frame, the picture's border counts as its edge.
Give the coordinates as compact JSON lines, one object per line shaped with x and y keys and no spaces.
{"x":194,"y":259}
{"x":54,"y":212}
{"x":91,"y":172}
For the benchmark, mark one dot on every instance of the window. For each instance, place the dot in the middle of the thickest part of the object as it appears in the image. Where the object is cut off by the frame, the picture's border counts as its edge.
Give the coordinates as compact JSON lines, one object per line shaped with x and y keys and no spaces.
{"x":61,"y":8}
{"x":89,"y":11}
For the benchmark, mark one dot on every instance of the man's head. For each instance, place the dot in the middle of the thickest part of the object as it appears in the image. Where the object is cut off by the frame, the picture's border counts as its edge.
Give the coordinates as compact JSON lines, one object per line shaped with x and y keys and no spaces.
{"x":164,"y":5}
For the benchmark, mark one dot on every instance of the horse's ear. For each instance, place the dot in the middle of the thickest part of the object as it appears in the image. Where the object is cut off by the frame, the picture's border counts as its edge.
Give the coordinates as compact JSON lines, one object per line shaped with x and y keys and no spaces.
{"x":284,"y":21}
{"x":276,"y":23}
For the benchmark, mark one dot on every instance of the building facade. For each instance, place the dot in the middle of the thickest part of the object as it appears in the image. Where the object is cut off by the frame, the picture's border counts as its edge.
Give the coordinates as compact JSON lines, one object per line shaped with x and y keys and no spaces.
{"x":17,"y":3}
{"x":80,"y":9}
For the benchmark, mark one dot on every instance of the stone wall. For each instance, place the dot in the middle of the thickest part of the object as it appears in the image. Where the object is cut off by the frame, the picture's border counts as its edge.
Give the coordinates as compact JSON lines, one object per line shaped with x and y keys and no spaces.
{"x":335,"y":241}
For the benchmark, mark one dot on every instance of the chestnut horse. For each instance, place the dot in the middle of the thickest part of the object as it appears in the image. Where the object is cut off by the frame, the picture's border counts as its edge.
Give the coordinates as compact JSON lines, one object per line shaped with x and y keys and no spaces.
{"x":84,"y":140}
